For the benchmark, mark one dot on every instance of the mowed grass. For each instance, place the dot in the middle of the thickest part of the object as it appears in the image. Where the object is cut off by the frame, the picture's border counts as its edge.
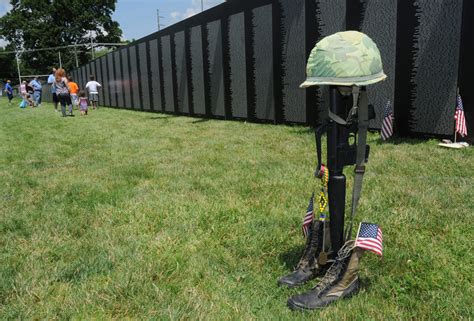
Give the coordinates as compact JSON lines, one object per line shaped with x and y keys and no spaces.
{"x":131,"y":215}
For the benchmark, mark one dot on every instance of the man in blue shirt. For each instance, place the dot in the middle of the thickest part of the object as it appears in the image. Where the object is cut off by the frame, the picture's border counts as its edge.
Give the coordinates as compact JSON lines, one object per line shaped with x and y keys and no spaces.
{"x":51,"y":79}
{"x":9,"y":91}
{"x":36,"y":85}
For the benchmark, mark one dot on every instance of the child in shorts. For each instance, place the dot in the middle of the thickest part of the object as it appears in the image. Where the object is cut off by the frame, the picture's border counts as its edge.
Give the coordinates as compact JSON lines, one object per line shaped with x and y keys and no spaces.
{"x":93,"y":87}
{"x":83,"y":103}
{"x":73,"y":89}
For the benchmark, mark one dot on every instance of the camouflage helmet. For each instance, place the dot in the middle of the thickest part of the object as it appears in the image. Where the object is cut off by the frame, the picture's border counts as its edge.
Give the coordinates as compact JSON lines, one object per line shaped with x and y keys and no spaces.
{"x":348,"y":58}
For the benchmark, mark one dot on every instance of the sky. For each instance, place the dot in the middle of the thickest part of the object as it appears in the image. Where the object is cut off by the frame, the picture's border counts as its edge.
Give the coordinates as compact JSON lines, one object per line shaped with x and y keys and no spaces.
{"x":138,"y":18}
{"x":4,"y":8}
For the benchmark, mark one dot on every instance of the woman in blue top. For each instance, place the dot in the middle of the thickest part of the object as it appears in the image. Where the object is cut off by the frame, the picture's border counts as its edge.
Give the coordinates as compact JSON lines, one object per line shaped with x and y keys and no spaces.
{"x":9,"y":90}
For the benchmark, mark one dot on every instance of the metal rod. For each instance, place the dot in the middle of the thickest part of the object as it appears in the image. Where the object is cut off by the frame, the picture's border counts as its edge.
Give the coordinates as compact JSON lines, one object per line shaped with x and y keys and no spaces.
{"x":32,"y":76}
{"x":75,"y":56}
{"x":97,"y":44}
{"x":92,"y":47}
{"x":60,"y":62}
{"x":158,"y":19}
{"x":18,"y":67}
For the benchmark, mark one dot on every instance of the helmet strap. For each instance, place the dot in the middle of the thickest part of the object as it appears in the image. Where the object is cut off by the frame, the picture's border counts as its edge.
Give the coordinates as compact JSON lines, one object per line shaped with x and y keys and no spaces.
{"x":352,"y":113}
{"x":355,"y":104}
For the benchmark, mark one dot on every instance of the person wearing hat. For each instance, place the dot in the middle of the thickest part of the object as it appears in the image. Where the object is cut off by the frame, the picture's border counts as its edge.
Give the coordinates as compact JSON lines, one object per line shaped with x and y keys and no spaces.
{"x":37,"y":87}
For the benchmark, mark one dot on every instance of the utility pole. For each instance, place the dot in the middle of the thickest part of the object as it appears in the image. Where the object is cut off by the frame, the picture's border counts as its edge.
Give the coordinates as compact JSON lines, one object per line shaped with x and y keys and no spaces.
{"x":75,"y":56}
{"x":158,"y":17}
{"x":202,"y":5}
{"x":92,"y":48}
{"x":18,"y":67}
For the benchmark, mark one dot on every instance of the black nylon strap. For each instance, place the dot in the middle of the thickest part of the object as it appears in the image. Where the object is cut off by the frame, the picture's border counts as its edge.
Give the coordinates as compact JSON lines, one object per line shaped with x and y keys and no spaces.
{"x":363,"y":124}
{"x":318,"y":133}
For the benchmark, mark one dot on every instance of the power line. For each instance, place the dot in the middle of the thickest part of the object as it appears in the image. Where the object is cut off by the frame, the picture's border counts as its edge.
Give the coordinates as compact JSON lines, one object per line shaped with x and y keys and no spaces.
{"x":96,"y":44}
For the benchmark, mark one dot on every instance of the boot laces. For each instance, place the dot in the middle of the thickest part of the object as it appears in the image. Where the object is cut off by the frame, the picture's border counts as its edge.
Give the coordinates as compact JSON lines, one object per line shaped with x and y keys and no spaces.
{"x":336,"y":268}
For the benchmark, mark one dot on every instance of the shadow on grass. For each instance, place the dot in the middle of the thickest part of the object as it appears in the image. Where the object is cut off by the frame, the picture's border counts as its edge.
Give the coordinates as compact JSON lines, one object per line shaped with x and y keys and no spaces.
{"x":201,"y":120}
{"x":301,"y":130}
{"x":416,"y":139}
{"x":399,"y":141}
{"x":291,"y":257}
{"x":365,"y":282}
{"x":163,"y":117}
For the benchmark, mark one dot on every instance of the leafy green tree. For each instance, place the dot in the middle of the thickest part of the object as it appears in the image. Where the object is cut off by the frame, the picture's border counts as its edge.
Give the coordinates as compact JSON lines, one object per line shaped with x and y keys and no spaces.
{"x":35,"y":24}
{"x":7,"y":67}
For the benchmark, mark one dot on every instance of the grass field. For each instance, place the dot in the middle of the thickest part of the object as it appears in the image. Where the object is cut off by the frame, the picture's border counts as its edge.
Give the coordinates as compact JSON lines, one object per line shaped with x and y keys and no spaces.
{"x":130,"y":215}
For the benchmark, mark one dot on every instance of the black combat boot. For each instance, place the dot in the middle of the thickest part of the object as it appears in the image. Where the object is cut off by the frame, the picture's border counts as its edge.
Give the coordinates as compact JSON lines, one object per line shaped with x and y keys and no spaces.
{"x":308,"y":267}
{"x":341,"y":281}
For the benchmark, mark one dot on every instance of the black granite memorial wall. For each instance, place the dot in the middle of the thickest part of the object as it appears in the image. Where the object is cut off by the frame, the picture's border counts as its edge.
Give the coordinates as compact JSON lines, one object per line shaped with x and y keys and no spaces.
{"x":428,"y":44}
{"x":215,"y":68}
{"x":143,"y":76}
{"x":127,"y":88}
{"x":197,"y":71}
{"x":106,"y":80}
{"x":245,"y":59}
{"x":182,"y":96}
{"x":237,"y":65}
{"x":134,"y":77}
{"x":100,"y":79}
{"x":167,"y":74}
{"x":155,"y":75}
{"x":119,"y":78}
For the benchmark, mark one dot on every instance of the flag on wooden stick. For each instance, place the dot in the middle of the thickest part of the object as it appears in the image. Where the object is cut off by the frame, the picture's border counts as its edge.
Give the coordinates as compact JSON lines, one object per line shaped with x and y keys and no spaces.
{"x":461,"y":128}
{"x":370,"y":238}
{"x":308,"y":218}
{"x":387,"y":123}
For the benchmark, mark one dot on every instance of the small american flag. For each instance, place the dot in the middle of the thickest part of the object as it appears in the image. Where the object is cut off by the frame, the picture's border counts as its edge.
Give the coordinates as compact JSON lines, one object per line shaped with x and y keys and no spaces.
{"x":387,"y":124}
{"x":370,"y":238}
{"x":308,"y":218}
{"x":460,"y":119}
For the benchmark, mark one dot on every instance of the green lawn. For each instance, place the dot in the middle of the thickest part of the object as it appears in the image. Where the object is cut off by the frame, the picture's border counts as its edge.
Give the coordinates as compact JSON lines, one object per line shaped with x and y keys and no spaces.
{"x":135,"y":215}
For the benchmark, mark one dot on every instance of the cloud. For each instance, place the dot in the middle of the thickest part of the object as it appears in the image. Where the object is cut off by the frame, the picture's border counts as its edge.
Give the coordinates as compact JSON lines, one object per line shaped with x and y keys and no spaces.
{"x":194,"y":9}
{"x":191,"y":12}
{"x":207,"y":3}
{"x":175,"y":15}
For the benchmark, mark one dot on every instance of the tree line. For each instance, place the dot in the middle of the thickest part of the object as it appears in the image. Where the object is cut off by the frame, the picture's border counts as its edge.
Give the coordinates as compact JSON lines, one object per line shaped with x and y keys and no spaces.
{"x":36,"y":24}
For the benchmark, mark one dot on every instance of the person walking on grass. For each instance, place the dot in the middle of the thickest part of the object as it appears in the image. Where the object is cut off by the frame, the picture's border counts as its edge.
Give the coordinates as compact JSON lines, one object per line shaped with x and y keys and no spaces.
{"x":83,"y":103}
{"x":51,"y":80}
{"x":9,"y":91}
{"x":74,"y":90}
{"x":23,"y":90}
{"x":36,"y":85}
{"x":93,"y":87}
{"x":62,"y":91}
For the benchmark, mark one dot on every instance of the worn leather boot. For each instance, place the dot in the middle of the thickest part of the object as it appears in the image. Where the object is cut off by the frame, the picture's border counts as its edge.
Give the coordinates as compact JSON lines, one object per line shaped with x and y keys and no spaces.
{"x":341,"y":281}
{"x":308,"y":267}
